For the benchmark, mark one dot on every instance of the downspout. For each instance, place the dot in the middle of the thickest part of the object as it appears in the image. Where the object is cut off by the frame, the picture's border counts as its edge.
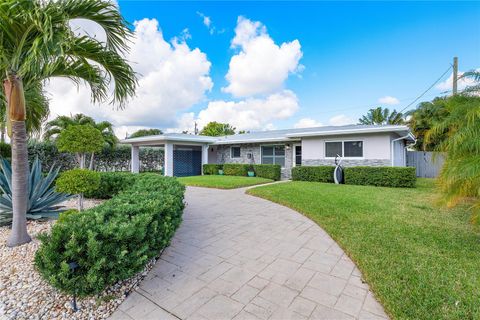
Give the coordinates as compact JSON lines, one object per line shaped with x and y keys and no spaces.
{"x":392,"y":152}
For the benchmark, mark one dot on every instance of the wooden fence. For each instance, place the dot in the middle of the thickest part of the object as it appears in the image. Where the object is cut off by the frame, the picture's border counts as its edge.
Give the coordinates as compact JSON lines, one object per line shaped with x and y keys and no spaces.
{"x":427,"y":164}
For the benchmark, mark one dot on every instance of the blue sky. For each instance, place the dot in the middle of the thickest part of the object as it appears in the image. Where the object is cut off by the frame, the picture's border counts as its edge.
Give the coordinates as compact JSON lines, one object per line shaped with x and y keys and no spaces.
{"x":352,"y":53}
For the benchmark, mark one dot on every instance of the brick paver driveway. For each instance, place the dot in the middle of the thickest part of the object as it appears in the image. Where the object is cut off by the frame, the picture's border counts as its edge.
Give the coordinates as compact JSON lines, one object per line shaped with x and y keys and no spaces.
{"x":236,"y":256}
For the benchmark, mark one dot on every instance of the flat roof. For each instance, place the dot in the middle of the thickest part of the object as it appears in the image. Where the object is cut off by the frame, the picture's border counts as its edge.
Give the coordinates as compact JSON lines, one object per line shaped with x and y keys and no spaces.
{"x":273,"y":135}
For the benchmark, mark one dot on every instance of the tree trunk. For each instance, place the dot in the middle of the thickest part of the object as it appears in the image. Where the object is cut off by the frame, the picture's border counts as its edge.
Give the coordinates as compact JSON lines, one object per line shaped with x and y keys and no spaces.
{"x":81,"y":160}
{"x":2,"y":132}
{"x":92,"y":157}
{"x":16,"y":101}
{"x":80,"y":202}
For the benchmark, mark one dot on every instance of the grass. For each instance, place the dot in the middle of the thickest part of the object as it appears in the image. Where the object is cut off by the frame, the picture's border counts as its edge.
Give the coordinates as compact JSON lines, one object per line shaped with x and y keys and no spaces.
{"x":222,"y":182}
{"x":421,"y":261}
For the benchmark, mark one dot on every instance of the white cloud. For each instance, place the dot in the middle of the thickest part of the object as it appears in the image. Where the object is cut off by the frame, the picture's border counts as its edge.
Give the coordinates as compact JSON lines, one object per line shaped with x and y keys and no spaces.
{"x":307,"y":123}
{"x":461,"y":83}
{"x":172,"y":78}
{"x":207,"y":21}
{"x":251,"y":113}
{"x":261,"y":66}
{"x":388,"y":100}
{"x":341,"y":120}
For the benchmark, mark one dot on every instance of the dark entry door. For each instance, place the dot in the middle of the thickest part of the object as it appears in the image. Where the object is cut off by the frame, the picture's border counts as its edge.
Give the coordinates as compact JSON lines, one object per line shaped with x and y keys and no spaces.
{"x":187,"y":163}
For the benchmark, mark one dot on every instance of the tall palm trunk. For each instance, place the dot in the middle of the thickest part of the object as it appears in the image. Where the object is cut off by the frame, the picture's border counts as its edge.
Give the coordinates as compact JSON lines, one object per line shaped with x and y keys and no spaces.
{"x":16,"y":108}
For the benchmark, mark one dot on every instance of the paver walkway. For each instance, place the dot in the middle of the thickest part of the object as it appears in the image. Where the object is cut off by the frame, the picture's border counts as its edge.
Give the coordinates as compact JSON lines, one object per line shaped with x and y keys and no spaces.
{"x":236,"y":256}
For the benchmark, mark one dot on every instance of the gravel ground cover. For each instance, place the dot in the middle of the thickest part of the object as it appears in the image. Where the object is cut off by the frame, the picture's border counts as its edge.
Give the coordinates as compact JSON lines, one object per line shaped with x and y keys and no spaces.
{"x":25,"y":295}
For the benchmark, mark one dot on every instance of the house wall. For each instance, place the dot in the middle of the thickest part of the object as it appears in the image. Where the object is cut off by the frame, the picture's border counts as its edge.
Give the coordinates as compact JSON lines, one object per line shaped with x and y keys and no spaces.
{"x":224,"y":155}
{"x":376,"y":150}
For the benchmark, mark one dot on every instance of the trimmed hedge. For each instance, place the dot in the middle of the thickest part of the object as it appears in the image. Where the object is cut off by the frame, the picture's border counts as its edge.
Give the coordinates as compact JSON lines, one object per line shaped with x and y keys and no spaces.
{"x":235,"y":169}
{"x":212,"y":169}
{"x":313,"y":173}
{"x":111,"y":183}
{"x":398,"y":177}
{"x":113,"y":241}
{"x":268,"y":171}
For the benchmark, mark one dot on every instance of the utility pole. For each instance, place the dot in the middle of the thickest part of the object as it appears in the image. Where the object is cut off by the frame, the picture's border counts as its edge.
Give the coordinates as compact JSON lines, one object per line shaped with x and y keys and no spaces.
{"x":195,"y":131}
{"x":455,"y":75}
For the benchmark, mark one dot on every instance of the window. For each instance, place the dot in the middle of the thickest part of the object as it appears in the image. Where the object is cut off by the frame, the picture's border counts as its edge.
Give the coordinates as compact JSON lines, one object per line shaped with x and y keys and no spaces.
{"x":234,"y":152}
{"x":347,"y":149}
{"x":298,"y":155}
{"x":273,"y":155}
{"x":353,"y":149}
{"x":332,"y":149}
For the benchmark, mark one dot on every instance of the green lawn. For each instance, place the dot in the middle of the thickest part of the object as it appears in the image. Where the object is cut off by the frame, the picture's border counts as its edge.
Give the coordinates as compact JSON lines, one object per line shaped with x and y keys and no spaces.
{"x":422,"y":261}
{"x":222,"y":182}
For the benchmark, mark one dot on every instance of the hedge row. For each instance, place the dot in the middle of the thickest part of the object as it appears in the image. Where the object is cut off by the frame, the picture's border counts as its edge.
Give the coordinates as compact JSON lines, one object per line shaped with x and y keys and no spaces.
{"x":310,"y":173}
{"x":400,"y":177}
{"x":268,"y":171}
{"x":111,"y":183}
{"x":109,"y":159}
{"x":113,"y":241}
{"x":404,"y":177}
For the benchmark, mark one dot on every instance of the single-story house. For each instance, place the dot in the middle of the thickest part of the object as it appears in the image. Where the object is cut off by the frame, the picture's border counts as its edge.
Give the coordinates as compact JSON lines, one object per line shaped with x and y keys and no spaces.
{"x":358,"y":145}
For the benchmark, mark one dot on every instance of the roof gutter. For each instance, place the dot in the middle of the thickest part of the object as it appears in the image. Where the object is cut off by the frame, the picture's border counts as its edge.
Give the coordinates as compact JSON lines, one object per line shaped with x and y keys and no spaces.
{"x":350,"y":131}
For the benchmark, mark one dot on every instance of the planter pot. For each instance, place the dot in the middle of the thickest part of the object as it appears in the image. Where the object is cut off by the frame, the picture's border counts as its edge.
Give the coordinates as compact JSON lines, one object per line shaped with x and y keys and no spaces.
{"x":251,"y":174}
{"x":220,"y":172}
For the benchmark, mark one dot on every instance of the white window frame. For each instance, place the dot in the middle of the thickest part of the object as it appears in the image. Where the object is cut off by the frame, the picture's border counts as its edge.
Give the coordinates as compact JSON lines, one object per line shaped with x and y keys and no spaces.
{"x":343,"y":148}
{"x":231,"y":152}
{"x":273,"y":145}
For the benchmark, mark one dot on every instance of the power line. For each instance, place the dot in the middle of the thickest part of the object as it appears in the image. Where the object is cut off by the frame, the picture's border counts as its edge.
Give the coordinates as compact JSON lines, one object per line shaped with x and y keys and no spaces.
{"x":428,"y":89}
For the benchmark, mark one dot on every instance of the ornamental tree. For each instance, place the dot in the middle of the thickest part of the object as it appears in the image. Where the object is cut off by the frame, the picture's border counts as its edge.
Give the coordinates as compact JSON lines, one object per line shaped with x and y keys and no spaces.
{"x":80,"y":139}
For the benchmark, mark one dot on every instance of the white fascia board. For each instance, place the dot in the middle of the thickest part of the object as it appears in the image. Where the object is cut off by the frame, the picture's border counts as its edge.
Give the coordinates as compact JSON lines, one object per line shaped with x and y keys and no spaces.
{"x":348,"y":131}
{"x":266,"y":140}
{"x":162,"y":139}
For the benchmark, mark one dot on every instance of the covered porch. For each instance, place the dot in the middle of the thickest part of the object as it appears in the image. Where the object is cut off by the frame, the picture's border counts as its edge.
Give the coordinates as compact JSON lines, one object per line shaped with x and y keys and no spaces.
{"x":184,"y":155}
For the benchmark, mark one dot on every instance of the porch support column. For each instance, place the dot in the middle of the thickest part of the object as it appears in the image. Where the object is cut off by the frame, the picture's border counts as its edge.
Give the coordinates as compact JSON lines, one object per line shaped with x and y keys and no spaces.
{"x":135,"y":163}
{"x":168,"y":161}
{"x":204,"y":155}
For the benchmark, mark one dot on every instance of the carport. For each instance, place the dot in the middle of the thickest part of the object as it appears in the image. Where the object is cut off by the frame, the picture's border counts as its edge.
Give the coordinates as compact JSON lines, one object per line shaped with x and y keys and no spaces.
{"x":184,"y":154}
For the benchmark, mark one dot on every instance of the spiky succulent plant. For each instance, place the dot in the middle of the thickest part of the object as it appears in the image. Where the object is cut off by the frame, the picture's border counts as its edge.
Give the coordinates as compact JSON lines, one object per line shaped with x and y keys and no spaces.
{"x":43,"y":200}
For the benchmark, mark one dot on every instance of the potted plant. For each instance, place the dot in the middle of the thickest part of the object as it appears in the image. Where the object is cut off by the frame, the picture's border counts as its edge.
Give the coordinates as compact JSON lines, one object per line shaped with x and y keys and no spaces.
{"x":220,"y":172}
{"x":250,"y":171}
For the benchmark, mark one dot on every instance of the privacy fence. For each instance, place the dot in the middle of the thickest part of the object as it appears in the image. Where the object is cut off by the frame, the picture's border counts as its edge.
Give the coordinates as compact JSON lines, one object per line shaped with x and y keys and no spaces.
{"x":427,"y":164}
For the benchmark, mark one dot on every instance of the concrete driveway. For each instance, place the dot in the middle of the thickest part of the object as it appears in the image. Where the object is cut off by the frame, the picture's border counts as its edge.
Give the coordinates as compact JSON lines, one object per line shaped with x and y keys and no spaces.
{"x":236,"y":256}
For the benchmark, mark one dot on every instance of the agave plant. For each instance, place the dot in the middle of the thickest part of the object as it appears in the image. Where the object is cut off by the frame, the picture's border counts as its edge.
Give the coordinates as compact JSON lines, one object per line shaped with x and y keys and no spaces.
{"x":42,"y":197}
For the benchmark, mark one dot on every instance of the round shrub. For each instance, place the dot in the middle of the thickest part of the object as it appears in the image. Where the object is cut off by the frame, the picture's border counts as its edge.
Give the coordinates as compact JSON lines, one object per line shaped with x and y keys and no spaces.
{"x":80,"y":139}
{"x":78,"y":181}
{"x":111,"y":183}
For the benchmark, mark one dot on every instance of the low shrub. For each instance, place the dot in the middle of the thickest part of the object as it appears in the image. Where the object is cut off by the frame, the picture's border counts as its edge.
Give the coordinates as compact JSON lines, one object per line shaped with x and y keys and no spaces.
{"x":111,"y":183}
{"x":402,"y":177}
{"x":77,"y":181}
{"x":313,"y":173}
{"x":113,"y":241}
{"x":212,"y":169}
{"x":5,"y":150}
{"x":268,"y":171}
{"x":235,"y":169}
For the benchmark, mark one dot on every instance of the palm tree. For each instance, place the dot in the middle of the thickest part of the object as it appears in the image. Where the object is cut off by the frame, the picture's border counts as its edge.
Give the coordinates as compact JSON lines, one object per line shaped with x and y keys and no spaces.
{"x":382,"y":116}
{"x":37,"y":43}
{"x":475,"y":76}
{"x":37,"y":111}
{"x":460,"y":175}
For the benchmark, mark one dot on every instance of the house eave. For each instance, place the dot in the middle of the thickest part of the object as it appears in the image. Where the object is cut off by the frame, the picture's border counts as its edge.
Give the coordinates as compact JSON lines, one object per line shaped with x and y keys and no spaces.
{"x":349,"y":131}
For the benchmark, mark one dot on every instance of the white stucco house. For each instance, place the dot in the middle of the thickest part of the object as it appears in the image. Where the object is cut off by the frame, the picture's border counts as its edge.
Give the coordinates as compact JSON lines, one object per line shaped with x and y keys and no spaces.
{"x":358,"y":145}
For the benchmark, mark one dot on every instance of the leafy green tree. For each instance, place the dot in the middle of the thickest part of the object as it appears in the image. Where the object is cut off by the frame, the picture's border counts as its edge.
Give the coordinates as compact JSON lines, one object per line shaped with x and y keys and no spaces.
{"x":80,"y":140}
{"x":423,"y":118}
{"x":37,"y":43}
{"x":460,"y":175}
{"x":382,"y":116}
{"x":216,"y":129}
{"x":145,"y":132}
